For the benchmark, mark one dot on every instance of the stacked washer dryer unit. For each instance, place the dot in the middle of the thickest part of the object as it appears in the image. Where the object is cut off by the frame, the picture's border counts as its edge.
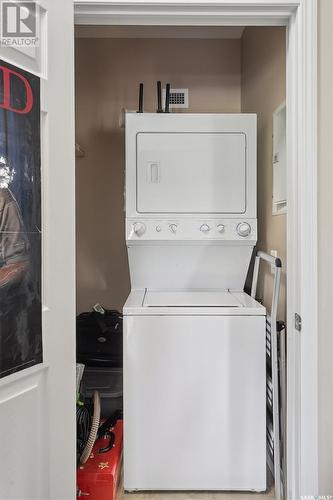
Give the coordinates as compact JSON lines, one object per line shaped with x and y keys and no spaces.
{"x":194,"y":342}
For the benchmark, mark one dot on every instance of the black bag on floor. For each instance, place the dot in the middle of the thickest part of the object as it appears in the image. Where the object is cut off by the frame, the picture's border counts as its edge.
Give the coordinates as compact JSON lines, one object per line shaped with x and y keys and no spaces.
{"x":99,"y":338}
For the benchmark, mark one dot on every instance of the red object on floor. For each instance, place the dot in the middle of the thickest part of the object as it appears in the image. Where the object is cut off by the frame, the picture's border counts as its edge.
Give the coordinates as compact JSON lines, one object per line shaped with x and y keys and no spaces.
{"x":98,"y":478}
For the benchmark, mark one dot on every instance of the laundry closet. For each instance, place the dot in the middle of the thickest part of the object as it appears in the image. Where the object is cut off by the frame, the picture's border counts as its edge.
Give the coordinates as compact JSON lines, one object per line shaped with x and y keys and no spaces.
{"x":187,"y":254}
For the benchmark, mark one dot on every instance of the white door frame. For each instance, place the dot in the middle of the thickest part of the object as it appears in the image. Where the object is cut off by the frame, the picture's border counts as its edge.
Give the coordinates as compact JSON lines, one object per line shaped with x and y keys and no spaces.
{"x":300,"y":18}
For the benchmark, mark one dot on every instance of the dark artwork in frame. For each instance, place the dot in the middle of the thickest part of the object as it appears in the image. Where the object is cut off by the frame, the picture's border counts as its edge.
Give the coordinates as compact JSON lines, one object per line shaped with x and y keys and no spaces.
{"x":20,"y":220}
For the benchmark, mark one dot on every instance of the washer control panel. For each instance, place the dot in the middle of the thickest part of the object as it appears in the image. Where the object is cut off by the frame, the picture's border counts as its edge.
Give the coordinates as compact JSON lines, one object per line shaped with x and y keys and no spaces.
{"x":227,"y":230}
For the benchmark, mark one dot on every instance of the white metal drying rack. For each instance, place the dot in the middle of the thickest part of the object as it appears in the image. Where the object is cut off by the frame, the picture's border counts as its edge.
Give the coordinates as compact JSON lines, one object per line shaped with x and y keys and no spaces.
{"x":276,"y":377}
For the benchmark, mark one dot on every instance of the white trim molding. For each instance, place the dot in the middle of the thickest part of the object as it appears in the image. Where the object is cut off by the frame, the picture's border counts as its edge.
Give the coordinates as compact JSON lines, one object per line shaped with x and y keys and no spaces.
{"x":192,"y":13}
{"x":300,"y":18}
{"x":304,"y":62}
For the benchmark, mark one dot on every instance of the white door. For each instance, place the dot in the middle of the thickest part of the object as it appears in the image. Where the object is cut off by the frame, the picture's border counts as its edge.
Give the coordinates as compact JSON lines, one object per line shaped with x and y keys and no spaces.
{"x":37,"y":393}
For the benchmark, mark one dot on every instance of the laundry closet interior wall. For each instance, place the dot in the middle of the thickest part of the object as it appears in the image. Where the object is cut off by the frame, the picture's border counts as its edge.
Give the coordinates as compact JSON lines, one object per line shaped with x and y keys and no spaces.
{"x":263,"y":91}
{"x":244,"y":71}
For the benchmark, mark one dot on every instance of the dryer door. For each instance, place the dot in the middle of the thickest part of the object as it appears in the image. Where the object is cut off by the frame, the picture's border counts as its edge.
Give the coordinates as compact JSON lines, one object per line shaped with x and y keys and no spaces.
{"x":191,"y":172}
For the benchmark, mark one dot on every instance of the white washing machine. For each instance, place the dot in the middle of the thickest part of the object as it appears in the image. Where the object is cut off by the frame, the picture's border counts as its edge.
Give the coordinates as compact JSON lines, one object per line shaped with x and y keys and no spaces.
{"x":194,"y":342}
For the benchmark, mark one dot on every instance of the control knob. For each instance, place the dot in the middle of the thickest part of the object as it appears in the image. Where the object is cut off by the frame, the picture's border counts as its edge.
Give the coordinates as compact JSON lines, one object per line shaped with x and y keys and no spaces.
{"x":220,"y":228}
{"x":204,"y":228}
{"x":173,"y":228}
{"x":139,"y":228}
{"x":243,"y":229}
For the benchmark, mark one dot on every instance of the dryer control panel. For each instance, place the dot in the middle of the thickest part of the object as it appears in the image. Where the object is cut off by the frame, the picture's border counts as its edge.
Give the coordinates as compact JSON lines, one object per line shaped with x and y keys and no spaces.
{"x":175,"y":230}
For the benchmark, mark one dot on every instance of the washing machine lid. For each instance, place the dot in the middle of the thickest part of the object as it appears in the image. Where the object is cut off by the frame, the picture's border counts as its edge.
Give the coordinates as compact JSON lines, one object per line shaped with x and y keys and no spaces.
{"x":150,"y":302}
{"x":190,"y":298}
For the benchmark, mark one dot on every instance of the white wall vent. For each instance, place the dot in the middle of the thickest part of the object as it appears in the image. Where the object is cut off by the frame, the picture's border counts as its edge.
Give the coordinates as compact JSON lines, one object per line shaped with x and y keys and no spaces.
{"x":178,"y":98}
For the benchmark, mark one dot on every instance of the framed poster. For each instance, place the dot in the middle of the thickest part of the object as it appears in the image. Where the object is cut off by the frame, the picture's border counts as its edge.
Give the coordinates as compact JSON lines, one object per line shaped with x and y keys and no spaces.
{"x":20,"y":220}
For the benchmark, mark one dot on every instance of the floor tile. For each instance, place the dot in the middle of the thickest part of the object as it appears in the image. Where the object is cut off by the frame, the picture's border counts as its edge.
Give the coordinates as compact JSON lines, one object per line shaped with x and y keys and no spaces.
{"x":269,"y":495}
{"x":165,"y":496}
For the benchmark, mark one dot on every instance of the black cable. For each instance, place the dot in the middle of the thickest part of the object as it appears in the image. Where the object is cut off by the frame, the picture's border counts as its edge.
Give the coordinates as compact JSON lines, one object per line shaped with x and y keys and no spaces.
{"x":167,"y":98}
{"x":83,"y":422}
{"x":140,"y":110}
{"x":159,"y":98}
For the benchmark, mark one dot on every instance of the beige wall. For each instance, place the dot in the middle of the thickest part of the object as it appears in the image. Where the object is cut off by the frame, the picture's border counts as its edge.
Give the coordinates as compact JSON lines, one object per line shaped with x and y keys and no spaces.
{"x":263,"y":90}
{"x":325,"y":247}
{"x":108,"y":72}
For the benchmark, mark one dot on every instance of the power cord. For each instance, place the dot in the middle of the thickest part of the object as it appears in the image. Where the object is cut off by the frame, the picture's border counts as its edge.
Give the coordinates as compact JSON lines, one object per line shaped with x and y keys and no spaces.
{"x":83,"y":423}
